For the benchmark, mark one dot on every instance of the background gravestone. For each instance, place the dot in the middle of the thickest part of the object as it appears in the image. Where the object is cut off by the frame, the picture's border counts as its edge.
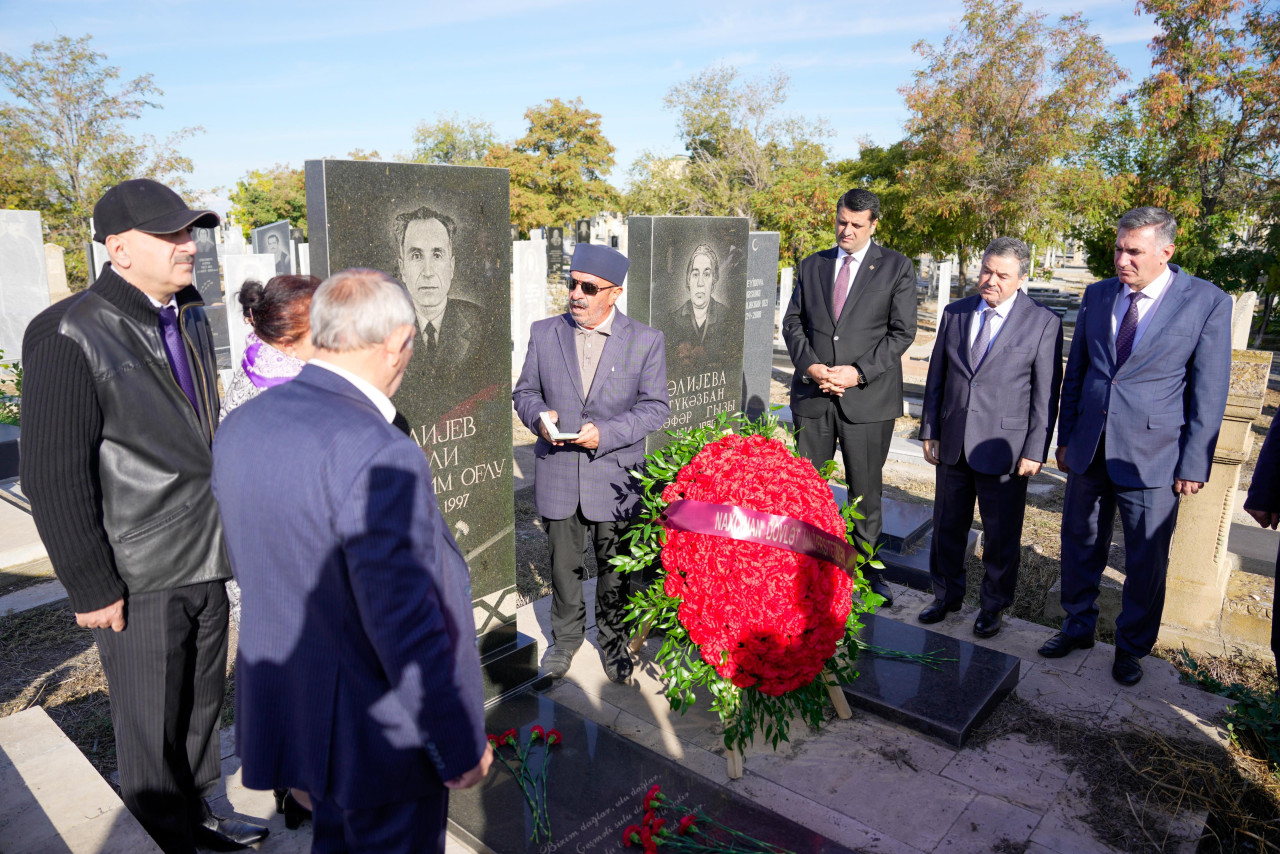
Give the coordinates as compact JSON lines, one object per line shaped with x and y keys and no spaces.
{"x":583,"y":231}
{"x":757,"y":341}
{"x":394,"y":217}
{"x":786,"y":283}
{"x":55,"y":265}
{"x":241,"y":269}
{"x":673,"y":258}
{"x":208,"y":281}
{"x":24,"y":279}
{"x":274,"y":240}
{"x":528,"y":294}
{"x":555,"y":254}
{"x":96,"y":257}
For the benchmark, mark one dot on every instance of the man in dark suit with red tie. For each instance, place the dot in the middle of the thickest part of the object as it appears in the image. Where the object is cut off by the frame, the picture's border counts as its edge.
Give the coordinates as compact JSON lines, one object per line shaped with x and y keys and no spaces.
{"x":989,"y":406}
{"x":852,"y":316}
{"x":1142,"y":401}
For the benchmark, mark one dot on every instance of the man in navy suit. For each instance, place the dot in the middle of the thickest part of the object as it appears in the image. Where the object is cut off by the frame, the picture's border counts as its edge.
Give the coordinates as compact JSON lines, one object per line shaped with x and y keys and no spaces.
{"x":852,"y":316}
{"x":1142,"y":402}
{"x":596,"y":373}
{"x":989,"y":405}
{"x":357,"y":675}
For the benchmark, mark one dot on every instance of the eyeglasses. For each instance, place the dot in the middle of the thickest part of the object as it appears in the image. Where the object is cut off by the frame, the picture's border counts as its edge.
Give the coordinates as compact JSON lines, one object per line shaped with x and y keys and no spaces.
{"x":587,"y":288}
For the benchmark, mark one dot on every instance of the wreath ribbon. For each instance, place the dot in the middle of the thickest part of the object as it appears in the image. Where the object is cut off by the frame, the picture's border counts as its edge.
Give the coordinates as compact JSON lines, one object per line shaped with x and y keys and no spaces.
{"x":756,"y":526}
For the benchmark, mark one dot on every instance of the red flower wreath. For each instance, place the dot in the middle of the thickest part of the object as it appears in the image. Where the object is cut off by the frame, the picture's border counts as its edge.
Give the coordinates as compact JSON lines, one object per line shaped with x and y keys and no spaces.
{"x":776,"y":615}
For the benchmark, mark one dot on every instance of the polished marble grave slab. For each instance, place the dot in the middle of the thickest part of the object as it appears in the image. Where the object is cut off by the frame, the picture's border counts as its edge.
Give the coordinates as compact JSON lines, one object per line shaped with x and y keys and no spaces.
{"x":947,"y":701}
{"x":596,"y":783}
{"x":905,"y":540}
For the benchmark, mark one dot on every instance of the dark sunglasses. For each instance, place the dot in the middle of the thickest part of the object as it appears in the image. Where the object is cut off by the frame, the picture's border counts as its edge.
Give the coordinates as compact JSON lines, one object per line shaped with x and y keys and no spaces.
{"x":587,"y":288}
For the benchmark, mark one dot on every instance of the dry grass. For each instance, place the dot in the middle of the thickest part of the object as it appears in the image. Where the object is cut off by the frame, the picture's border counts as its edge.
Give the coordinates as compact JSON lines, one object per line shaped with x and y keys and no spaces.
{"x":47,"y":660}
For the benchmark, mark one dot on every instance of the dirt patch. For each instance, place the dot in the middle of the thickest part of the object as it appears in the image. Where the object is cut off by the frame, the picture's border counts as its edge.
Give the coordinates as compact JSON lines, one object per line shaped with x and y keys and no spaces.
{"x":1143,"y":787}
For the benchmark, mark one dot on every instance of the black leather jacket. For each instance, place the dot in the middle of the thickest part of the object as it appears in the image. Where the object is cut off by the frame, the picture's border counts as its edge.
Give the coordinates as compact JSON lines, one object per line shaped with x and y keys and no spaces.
{"x":155,"y":457}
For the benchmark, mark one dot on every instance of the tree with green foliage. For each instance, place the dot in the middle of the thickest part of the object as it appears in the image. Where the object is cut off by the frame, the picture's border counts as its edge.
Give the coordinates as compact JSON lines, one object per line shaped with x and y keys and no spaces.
{"x":453,"y":140}
{"x":1200,"y":137}
{"x":995,"y":111}
{"x":64,"y":139}
{"x":737,"y":141}
{"x":880,"y":170}
{"x":558,"y":167}
{"x":264,"y":196}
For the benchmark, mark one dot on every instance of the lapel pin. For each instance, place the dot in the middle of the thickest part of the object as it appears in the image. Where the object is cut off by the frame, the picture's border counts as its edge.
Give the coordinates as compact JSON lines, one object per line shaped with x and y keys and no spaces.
{"x":871,"y":267}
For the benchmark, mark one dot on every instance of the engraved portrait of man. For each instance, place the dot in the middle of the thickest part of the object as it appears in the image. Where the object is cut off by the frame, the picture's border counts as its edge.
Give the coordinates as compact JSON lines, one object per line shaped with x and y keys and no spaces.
{"x":448,"y":327}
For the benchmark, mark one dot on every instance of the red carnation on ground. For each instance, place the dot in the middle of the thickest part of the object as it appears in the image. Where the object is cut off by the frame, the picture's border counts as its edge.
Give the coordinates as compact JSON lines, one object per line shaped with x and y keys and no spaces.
{"x":763,"y":616}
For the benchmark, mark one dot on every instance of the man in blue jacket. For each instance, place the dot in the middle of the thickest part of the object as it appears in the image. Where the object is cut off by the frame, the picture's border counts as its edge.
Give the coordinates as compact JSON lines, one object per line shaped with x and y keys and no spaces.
{"x":1142,"y":402}
{"x":357,"y":675}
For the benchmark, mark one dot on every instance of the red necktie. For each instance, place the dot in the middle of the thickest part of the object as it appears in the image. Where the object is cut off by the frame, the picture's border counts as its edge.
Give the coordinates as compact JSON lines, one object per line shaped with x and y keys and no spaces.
{"x":841,"y":291}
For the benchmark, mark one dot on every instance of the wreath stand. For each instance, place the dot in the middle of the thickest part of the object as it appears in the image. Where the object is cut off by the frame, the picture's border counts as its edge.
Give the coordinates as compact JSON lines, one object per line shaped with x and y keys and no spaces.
{"x":733,"y":758}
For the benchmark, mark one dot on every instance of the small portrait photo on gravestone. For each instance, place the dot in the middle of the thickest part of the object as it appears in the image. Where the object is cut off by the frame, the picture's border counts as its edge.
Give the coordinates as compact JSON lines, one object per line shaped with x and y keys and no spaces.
{"x":704,"y":315}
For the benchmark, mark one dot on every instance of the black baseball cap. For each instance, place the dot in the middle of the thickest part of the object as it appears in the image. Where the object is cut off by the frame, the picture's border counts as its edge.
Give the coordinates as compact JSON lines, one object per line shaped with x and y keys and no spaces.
{"x":148,"y":206}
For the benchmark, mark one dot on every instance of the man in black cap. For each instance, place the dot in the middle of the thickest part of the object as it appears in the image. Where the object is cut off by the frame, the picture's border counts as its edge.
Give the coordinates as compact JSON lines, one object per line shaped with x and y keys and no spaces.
{"x":119,"y":406}
{"x":601,"y":377}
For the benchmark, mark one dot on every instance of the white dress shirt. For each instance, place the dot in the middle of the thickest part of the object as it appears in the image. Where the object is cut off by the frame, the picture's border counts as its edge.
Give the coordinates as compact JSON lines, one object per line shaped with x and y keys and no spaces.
{"x":1147,"y":304}
{"x":854,"y":264}
{"x":997,"y":320}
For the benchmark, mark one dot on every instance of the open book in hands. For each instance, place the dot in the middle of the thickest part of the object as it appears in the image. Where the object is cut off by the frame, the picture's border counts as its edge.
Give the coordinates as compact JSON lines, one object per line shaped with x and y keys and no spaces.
{"x":553,"y":431}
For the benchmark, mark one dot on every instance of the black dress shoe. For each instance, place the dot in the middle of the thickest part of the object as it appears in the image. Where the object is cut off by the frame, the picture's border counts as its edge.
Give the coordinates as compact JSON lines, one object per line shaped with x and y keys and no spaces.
{"x":1127,"y":669}
{"x":987,"y":624}
{"x":936,"y":611}
{"x":226,"y":834}
{"x":617,"y":667}
{"x":878,"y":585}
{"x":556,"y":661}
{"x":1062,"y":643}
{"x":294,"y":812}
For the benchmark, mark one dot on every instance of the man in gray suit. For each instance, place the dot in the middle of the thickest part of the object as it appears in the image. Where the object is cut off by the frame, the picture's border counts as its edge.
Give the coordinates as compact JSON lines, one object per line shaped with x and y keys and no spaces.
{"x":601,"y":377}
{"x":1142,"y":401}
{"x":989,"y":405}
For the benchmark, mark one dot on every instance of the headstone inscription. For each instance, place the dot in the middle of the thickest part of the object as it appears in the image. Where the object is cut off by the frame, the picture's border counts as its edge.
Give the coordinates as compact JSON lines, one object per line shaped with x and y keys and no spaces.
{"x":555,"y":254}
{"x":24,"y":279}
{"x":274,"y":240}
{"x":240,"y":269}
{"x":528,"y":294}
{"x":757,"y":342}
{"x":208,"y":281}
{"x":688,"y":277}
{"x":444,"y":232}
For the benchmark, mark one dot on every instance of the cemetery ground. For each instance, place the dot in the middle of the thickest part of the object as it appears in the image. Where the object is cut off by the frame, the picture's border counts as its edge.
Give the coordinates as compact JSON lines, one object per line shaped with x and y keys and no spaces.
{"x":1136,"y":785}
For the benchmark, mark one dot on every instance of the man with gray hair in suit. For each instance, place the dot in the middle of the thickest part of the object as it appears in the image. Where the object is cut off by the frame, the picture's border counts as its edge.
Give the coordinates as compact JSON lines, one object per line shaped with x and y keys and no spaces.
{"x":1142,"y":400}
{"x":989,"y":405}
{"x":601,"y":377}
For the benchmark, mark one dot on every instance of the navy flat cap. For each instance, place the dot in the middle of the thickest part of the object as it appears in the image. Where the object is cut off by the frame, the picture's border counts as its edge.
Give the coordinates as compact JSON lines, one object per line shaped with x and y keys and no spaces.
{"x":599,"y":260}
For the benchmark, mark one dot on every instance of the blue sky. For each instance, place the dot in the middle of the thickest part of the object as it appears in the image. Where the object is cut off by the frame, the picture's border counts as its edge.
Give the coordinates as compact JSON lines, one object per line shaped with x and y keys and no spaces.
{"x":287,"y":81}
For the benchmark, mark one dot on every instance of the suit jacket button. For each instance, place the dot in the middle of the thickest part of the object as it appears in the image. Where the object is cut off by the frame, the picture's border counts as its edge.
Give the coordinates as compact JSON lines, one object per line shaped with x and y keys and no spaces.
{"x":835,"y":337}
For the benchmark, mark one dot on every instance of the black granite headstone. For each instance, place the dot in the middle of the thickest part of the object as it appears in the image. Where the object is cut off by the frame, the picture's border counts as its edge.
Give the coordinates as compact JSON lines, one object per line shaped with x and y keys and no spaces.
{"x":208,"y":281}
{"x":443,"y":231}
{"x":555,"y":254}
{"x":946,"y":701}
{"x":274,"y":240}
{"x":595,"y":788}
{"x":688,"y":277}
{"x":757,"y":343}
